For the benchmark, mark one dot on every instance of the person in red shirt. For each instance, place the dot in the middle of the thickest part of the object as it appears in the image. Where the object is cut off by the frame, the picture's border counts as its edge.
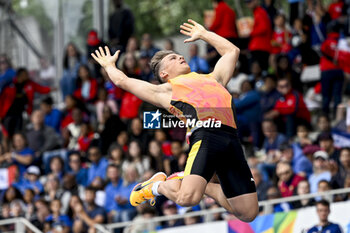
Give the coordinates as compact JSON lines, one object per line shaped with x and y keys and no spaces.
{"x":16,"y":98}
{"x":332,"y":76}
{"x":281,"y":36}
{"x":288,"y":181}
{"x":224,"y":23}
{"x":87,"y":86}
{"x":335,"y":9}
{"x":260,"y":37}
{"x":291,"y":107}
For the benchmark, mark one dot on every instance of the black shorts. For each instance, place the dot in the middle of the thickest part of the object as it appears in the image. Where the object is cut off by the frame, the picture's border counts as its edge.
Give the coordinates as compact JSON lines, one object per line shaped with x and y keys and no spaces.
{"x":219,"y":151}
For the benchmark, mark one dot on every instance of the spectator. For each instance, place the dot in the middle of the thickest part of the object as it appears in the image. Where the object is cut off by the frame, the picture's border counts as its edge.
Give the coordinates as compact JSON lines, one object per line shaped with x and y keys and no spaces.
{"x":85,"y":138}
{"x":98,"y":184}
{"x":272,"y":143}
{"x":7,"y":73}
{"x":70,"y":188}
{"x":335,"y":9}
{"x":284,"y":70}
{"x":169,"y":45}
{"x":139,"y":134}
{"x":98,"y":166}
{"x":291,"y":107}
{"x":22,"y":155}
{"x":88,"y":214}
{"x":191,"y":220}
{"x":224,"y":23}
{"x":75,"y":165}
{"x":41,"y":213}
{"x":274,"y":193}
{"x":294,"y":10}
{"x":323,"y":126}
{"x":147,"y":46}
{"x":135,"y":158}
{"x":130,"y":66}
{"x":260,"y":37}
{"x":129,"y":108}
{"x":169,"y":208}
{"x":112,"y":126}
{"x":112,"y":190}
{"x":103,"y":101}
{"x":271,"y":10}
{"x":326,"y":143}
{"x":86,"y":87}
{"x":53,"y":116}
{"x":40,"y":137}
{"x":156,"y":155}
{"x":293,"y":154}
{"x":324,"y":186}
{"x":302,"y":138}
{"x":145,"y":213}
{"x":47,"y":72}
{"x":320,"y":170}
{"x":248,"y":108}
{"x":30,"y":181}
{"x":52,"y":188}
{"x":116,"y":155}
{"x":235,"y":83}
{"x":288,"y":181}
{"x":338,"y":180}
{"x":273,"y":139}
{"x":56,"y":165}
{"x":132,"y":47}
{"x":323,"y":211}
{"x":126,"y":212}
{"x":71,"y":62}
{"x":261,"y":185}
{"x":11,"y":194}
{"x":281,"y":36}
{"x":72,"y":132}
{"x":145,"y":68}
{"x":196,"y":63}
{"x":332,"y":77}
{"x":93,"y":42}
{"x":57,"y":221}
{"x":302,"y":189}
{"x":16,"y":98}
{"x":175,"y":162}
{"x":121,"y":26}
{"x":16,"y":209}
{"x":269,"y":94}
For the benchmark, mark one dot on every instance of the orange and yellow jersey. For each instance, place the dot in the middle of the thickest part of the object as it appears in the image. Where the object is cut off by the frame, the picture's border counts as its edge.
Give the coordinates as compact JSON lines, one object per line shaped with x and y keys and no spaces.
{"x":201,"y":97}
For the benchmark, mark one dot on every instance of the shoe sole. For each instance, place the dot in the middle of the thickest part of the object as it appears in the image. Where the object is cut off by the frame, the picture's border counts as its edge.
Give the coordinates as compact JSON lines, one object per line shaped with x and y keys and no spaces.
{"x":139,"y":186}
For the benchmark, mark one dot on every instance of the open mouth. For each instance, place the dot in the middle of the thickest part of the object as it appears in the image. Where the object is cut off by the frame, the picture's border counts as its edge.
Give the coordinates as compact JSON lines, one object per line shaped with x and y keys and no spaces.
{"x":183,"y":62}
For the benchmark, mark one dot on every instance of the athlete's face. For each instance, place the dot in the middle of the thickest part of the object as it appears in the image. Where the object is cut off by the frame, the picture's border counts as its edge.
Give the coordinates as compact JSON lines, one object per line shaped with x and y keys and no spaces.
{"x":172,"y":66}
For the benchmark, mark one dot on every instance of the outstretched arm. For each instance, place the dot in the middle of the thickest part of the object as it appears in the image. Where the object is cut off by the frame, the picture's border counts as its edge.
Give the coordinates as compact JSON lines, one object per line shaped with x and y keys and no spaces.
{"x":158,"y":95}
{"x":224,"y":68}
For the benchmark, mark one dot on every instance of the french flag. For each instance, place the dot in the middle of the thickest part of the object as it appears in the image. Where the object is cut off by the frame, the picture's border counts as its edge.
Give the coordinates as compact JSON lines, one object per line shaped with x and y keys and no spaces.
{"x":7,"y":176}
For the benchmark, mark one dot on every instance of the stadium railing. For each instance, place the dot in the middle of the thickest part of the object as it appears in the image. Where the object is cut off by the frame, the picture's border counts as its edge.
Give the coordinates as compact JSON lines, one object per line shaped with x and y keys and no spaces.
{"x":267,"y":205}
{"x":21,"y":223}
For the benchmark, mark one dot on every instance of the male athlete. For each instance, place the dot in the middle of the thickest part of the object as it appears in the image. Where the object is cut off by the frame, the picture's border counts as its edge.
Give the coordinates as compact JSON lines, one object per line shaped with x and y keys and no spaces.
{"x":212,"y":150}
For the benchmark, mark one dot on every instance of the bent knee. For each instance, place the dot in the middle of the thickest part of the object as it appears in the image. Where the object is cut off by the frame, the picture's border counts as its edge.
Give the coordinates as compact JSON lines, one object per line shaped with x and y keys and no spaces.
{"x":188,"y":199}
{"x":247,"y":216}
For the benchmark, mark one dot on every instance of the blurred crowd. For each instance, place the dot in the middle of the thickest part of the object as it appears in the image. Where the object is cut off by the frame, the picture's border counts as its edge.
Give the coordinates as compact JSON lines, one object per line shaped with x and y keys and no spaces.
{"x":66,"y":167}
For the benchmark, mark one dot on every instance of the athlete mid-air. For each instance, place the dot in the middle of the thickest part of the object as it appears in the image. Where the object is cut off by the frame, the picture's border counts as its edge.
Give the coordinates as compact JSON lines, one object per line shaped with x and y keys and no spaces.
{"x":212,"y":150}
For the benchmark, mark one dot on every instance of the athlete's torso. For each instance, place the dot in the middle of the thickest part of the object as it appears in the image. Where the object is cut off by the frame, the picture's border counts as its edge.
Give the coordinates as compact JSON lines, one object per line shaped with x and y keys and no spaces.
{"x":201,"y":97}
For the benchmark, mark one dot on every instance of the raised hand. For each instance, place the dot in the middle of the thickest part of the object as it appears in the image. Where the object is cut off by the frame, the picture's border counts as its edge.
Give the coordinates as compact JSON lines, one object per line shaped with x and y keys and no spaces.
{"x":192,"y":29}
{"x":105,"y":59}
